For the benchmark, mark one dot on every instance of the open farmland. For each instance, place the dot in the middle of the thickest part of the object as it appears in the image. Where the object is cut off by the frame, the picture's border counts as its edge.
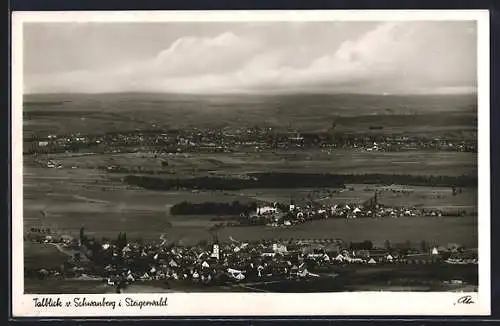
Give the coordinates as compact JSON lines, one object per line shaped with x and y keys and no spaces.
{"x":432,"y":197}
{"x":383,"y":278}
{"x":35,"y":253}
{"x":62,"y":286}
{"x":70,"y":200}
{"x":234,"y":164}
{"x":411,"y":196}
{"x":462,"y":230}
{"x":190,"y":230}
{"x":86,"y":196}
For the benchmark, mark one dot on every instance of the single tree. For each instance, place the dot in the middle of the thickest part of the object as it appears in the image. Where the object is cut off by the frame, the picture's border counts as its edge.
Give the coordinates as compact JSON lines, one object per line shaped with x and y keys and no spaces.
{"x":387,"y":244}
{"x":424,"y":247}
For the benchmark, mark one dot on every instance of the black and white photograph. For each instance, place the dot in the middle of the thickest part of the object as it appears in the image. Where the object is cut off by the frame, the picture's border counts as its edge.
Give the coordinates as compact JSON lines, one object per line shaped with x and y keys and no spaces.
{"x":250,"y":157}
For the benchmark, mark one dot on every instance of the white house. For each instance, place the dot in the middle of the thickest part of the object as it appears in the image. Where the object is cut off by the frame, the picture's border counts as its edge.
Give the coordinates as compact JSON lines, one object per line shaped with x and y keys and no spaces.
{"x":339,"y":258}
{"x":279,"y":248}
{"x":215,"y":251}
{"x":354,"y":260}
{"x":236,"y":274}
{"x":266,"y":210}
{"x":268,"y":254}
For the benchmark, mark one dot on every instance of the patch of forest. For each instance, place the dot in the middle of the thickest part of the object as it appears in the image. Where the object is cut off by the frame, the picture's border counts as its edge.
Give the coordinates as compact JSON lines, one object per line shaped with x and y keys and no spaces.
{"x":280,"y":180}
{"x":211,"y":208}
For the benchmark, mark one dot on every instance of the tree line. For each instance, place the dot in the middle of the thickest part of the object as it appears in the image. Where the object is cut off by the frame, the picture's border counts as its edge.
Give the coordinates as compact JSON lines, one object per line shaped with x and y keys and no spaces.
{"x":211,"y":208}
{"x":296,"y":180}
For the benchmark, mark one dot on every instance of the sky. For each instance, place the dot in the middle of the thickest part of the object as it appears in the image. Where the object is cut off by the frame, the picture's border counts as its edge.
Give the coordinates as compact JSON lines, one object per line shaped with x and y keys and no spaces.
{"x":413,"y":57}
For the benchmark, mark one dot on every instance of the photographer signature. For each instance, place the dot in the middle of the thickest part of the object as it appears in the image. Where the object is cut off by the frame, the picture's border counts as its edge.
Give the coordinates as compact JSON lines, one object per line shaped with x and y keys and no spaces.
{"x":466,"y":299}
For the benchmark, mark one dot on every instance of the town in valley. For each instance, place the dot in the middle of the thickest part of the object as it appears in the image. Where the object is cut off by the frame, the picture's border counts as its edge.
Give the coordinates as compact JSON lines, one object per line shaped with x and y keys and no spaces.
{"x":364,"y":179}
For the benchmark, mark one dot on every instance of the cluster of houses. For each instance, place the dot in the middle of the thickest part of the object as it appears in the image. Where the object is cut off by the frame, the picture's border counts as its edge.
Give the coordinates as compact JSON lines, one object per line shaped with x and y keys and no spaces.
{"x":407,"y":144}
{"x":121,"y":262}
{"x":274,"y":215}
{"x":225,"y":139}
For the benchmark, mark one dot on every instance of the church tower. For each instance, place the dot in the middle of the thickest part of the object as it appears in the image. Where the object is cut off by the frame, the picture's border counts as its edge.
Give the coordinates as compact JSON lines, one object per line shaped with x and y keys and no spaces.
{"x":215,"y":248}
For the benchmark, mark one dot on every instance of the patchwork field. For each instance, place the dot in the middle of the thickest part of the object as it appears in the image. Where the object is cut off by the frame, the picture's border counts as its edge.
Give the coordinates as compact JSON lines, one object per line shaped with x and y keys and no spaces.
{"x":332,"y":161}
{"x":68,"y":199}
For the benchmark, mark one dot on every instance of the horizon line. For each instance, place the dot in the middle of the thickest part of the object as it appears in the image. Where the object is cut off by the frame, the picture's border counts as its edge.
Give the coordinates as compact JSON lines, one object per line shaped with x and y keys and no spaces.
{"x":474,"y":92}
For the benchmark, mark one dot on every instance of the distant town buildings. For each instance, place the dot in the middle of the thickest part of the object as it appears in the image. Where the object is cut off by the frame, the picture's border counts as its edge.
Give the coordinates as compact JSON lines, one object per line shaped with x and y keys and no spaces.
{"x":223,"y":140}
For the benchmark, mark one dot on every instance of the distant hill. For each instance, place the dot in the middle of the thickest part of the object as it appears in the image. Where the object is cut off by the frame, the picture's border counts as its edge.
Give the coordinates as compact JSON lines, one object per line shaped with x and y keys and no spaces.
{"x":296,"y":111}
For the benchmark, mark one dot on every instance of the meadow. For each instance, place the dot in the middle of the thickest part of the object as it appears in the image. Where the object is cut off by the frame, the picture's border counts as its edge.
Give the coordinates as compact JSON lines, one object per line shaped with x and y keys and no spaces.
{"x":41,"y":255}
{"x":60,"y":286}
{"x":384,"y":278}
{"x":308,"y":161}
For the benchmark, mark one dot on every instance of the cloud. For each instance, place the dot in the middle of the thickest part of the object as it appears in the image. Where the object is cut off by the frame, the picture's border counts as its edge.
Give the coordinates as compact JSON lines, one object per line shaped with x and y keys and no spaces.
{"x":391,"y":57}
{"x":195,"y":56}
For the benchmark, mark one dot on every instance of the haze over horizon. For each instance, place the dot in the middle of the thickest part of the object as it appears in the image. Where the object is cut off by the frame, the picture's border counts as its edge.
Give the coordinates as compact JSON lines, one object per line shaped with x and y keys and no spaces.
{"x":246,"y":58}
